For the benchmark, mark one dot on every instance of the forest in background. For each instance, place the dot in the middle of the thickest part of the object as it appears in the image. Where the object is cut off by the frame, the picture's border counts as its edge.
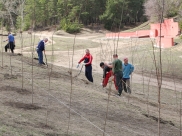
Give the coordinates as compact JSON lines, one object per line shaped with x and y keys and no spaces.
{"x":71,"y":15}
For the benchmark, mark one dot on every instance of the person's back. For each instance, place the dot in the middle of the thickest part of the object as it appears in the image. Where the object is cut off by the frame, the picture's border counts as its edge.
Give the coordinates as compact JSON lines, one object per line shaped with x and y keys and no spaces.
{"x":40,"y":49}
{"x":117,"y":70}
{"x":41,"y":46}
{"x":106,"y":70}
{"x":11,"y":38}
{"x":107,"y":73}
{"x":117,"y":66}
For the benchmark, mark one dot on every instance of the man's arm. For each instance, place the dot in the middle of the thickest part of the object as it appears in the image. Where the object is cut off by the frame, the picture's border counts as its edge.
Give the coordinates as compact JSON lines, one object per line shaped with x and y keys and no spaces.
{"x":108,"y":65}
{"x":43,"y":44}
{"x":123,"y":66}
{"x":131,"y":69}
{"x":81,"y":59}
{"x":14,"y":39}
{"x":6,"y":39}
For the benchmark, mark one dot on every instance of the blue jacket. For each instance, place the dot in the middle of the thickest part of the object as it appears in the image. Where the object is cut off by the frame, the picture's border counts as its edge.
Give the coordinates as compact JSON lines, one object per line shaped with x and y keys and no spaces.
{"x":127,"y":70}
{"x":11,"y":38}
{"x":41,"y":46}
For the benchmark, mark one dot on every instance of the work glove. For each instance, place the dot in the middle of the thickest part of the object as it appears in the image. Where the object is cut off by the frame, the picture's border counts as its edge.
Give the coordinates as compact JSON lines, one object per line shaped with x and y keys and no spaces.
{"x":78,"y":65}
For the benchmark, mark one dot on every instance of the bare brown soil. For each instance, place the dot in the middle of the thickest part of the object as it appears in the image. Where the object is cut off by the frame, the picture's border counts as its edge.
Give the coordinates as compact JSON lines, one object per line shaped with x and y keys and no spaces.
{"x":36,"y":102}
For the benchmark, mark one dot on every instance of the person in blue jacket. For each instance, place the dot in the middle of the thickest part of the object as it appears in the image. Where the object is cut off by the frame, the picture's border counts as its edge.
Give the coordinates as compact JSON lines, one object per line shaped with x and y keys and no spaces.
{"x":127,"y":70}
{"x":11,"y":43}
{"x":40,"y":48}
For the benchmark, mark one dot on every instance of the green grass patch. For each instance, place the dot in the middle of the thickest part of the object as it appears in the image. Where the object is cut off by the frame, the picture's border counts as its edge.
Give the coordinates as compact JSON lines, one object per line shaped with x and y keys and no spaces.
{"x":144,"y":26}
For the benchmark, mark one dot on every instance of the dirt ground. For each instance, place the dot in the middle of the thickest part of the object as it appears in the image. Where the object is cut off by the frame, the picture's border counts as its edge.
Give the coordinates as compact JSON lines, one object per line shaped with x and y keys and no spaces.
{"x":41,"y":101}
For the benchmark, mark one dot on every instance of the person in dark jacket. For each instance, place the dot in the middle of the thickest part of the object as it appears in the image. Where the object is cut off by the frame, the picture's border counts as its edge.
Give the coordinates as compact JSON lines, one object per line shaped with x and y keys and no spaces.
{"x":11,"y":43}
{"x":40,"y":48}
{"x":88,"y":65}
{"x":107,"y":73}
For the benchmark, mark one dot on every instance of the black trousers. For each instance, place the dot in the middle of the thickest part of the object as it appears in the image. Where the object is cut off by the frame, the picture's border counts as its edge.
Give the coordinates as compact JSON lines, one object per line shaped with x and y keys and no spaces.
{"x":11,"y":45}
{"x":119,"y":76}
{"x":88,"y":73}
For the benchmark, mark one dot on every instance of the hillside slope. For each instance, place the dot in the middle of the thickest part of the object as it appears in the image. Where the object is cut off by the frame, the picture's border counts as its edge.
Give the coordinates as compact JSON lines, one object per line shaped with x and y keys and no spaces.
{"x":36,"y":103}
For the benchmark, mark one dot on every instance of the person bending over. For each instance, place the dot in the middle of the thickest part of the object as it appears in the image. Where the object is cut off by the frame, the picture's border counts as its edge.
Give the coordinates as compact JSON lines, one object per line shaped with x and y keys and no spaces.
{"x":40,"y":48}
{"x":107,"y":73}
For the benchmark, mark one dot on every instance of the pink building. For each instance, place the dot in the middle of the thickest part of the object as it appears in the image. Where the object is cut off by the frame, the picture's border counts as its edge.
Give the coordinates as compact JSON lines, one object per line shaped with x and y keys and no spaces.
{"x":169,"y":29}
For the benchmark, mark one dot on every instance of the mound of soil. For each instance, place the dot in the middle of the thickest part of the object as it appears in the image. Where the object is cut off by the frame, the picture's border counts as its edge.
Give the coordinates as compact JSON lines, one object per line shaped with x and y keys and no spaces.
{"x":15,"y":89}
{"x":24,"y":106}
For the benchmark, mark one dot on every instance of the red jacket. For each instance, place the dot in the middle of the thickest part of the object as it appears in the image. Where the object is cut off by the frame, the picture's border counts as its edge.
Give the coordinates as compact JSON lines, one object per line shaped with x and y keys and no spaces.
{"x":87,"y":59}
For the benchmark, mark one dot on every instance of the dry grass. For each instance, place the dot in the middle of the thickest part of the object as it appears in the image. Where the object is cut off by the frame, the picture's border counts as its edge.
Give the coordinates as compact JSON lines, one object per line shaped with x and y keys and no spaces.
{"x":128,"y":115}
{"x":19,"y":115}
{"x":144,"y":26}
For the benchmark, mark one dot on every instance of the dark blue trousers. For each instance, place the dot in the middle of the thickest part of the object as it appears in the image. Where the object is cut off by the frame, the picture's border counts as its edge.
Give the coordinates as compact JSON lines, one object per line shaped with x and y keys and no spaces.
{"x":11,"y":45}
{"x":88,"y":73}
{"x":119,"y":76}
{"x":40,"y":54}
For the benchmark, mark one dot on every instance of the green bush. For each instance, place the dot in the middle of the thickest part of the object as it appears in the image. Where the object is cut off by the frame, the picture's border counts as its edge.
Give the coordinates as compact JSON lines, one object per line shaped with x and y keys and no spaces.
{"x":22,"y":25}
{"x":18,"y":22}
{"x":70,"y":27}
{"x":180,"y":26}
{"x":110,"y":25}
{"x":73,"y":28}
{"x":63,"y":23}
{"x":26,"y":26}
{"x":7,"y":28}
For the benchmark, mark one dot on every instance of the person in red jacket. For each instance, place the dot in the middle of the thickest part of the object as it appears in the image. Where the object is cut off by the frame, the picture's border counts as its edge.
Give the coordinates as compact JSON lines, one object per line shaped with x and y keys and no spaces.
{"x":88,"y":65}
